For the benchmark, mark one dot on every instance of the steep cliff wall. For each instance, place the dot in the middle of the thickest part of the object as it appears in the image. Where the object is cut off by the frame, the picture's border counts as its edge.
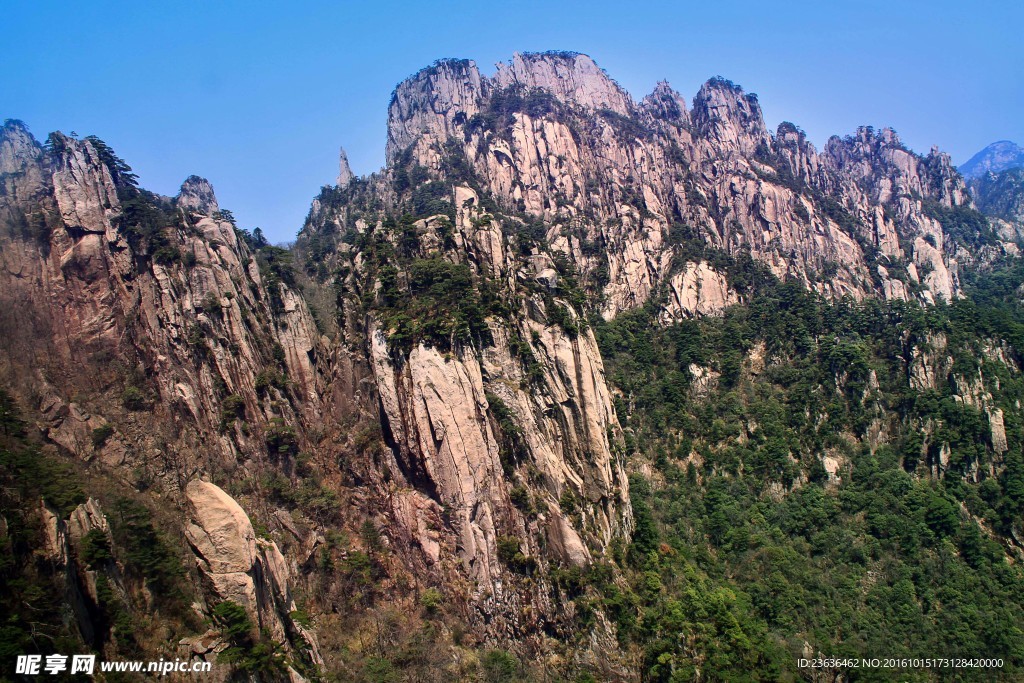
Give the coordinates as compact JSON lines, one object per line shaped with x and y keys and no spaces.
{"x":163,"y":289}
{"x":147,"y":340}
{"x":553,"y":136}
{"x":511,"y":206}
{"x":491,"y":389}
{"x":484,"y":460}
{"x":415,"y":411}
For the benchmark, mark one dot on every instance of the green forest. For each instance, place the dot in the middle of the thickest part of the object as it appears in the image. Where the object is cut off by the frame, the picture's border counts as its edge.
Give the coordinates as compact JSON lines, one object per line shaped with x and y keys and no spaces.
{"x":747,"y":555}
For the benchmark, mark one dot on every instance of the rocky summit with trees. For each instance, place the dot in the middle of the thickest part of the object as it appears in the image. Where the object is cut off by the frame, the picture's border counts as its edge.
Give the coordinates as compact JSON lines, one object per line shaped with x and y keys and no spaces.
{"x":575,"y":388}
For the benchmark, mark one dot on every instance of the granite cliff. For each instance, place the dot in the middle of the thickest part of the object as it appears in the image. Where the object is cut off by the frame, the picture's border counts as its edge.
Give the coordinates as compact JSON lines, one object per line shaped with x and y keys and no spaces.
{"x":627,"y":189}
{"x":405,"y":421}
{"x":472,"y":472}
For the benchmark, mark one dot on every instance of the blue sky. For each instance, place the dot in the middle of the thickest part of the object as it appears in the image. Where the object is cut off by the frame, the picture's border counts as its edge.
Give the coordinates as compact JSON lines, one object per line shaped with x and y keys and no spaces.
{"x":257,"y":96}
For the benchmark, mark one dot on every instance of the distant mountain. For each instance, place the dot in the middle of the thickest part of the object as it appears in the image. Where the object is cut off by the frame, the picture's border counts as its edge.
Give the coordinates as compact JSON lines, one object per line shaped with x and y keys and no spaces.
{"x":997,"y":157}
{"x":1000,"y":194}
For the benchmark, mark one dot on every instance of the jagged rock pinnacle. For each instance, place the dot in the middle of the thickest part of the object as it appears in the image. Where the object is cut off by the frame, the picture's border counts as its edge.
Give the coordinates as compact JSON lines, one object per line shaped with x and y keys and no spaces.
{"x":345,"y":175}
{"x":197,"y":194}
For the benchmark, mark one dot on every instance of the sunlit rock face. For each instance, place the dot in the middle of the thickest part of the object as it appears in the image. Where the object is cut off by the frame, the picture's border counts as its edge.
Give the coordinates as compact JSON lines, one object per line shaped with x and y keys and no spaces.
{"x":472,"y":429}
{"x":553,"y":135}
{"x":547,"y":177}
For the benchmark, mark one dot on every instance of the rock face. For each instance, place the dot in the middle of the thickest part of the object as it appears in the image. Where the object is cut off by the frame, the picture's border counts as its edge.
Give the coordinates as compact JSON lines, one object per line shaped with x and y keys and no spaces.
{"x":248,"y":571}
{"x":197,"y":195}
{"x":995,"y":419}
{"x":547,"y":181}
{"x":569,"y":76}
{"x":65,"y":550}
{"x":182,"y":284}
{"x":524,"y":412}
{"x":1001,"y":194}
{"x":345,"y":175}
{"x":220,"y":532}
{"x":931,"y":366}
{"x":219,"y":370}
{"x":626,"y":187}
{"x":189,"y":354}
{"x":698,"y":289}
{"x":449,"y":388}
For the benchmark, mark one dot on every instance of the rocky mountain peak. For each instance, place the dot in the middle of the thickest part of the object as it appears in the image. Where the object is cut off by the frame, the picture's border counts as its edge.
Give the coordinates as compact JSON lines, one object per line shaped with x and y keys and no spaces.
{"x":944,"y":181}
{"x":864,"y":143}
{"x":436,"y":102}
{"x":197,"y":195}
{"x":940,"y":160}
{"x":345,"y":175}
{"x":15,"y":130}
{"x":426,"y":366}
{"x":83,"y":182}
{"x":887,"y":136}
{"x":789,"y":134}
{"x":997,"y":157}
{"x":880,"y":158}
{"x":665,"y":103}
{"x":18,"y":149}
{"x":571,"y":77}
{"x":724,"y":114}
{"x":433,"y":101}
{"x":548,"y":130}
{"x":13,"y":125}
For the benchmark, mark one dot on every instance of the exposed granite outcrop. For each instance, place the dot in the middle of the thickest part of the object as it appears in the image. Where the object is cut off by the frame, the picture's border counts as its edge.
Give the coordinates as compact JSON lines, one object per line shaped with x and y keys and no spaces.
{"x":242,"y":568}
{"x":148,"y":340}
{"x":547,"y":183}
{"x":849,"y":220}
{"x":345,"y":174}
{"x":196,"y":194}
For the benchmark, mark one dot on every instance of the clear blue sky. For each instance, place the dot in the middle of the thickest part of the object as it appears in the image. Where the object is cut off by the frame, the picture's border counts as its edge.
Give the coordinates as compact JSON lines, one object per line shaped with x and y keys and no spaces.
{"x":257,"y":96}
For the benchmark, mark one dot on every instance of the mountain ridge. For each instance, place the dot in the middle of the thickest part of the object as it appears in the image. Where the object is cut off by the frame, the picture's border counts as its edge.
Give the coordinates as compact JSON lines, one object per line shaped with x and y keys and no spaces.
{"x":457,"y":93}
{"x":453,"y":412}
{"x":995,"y":158}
